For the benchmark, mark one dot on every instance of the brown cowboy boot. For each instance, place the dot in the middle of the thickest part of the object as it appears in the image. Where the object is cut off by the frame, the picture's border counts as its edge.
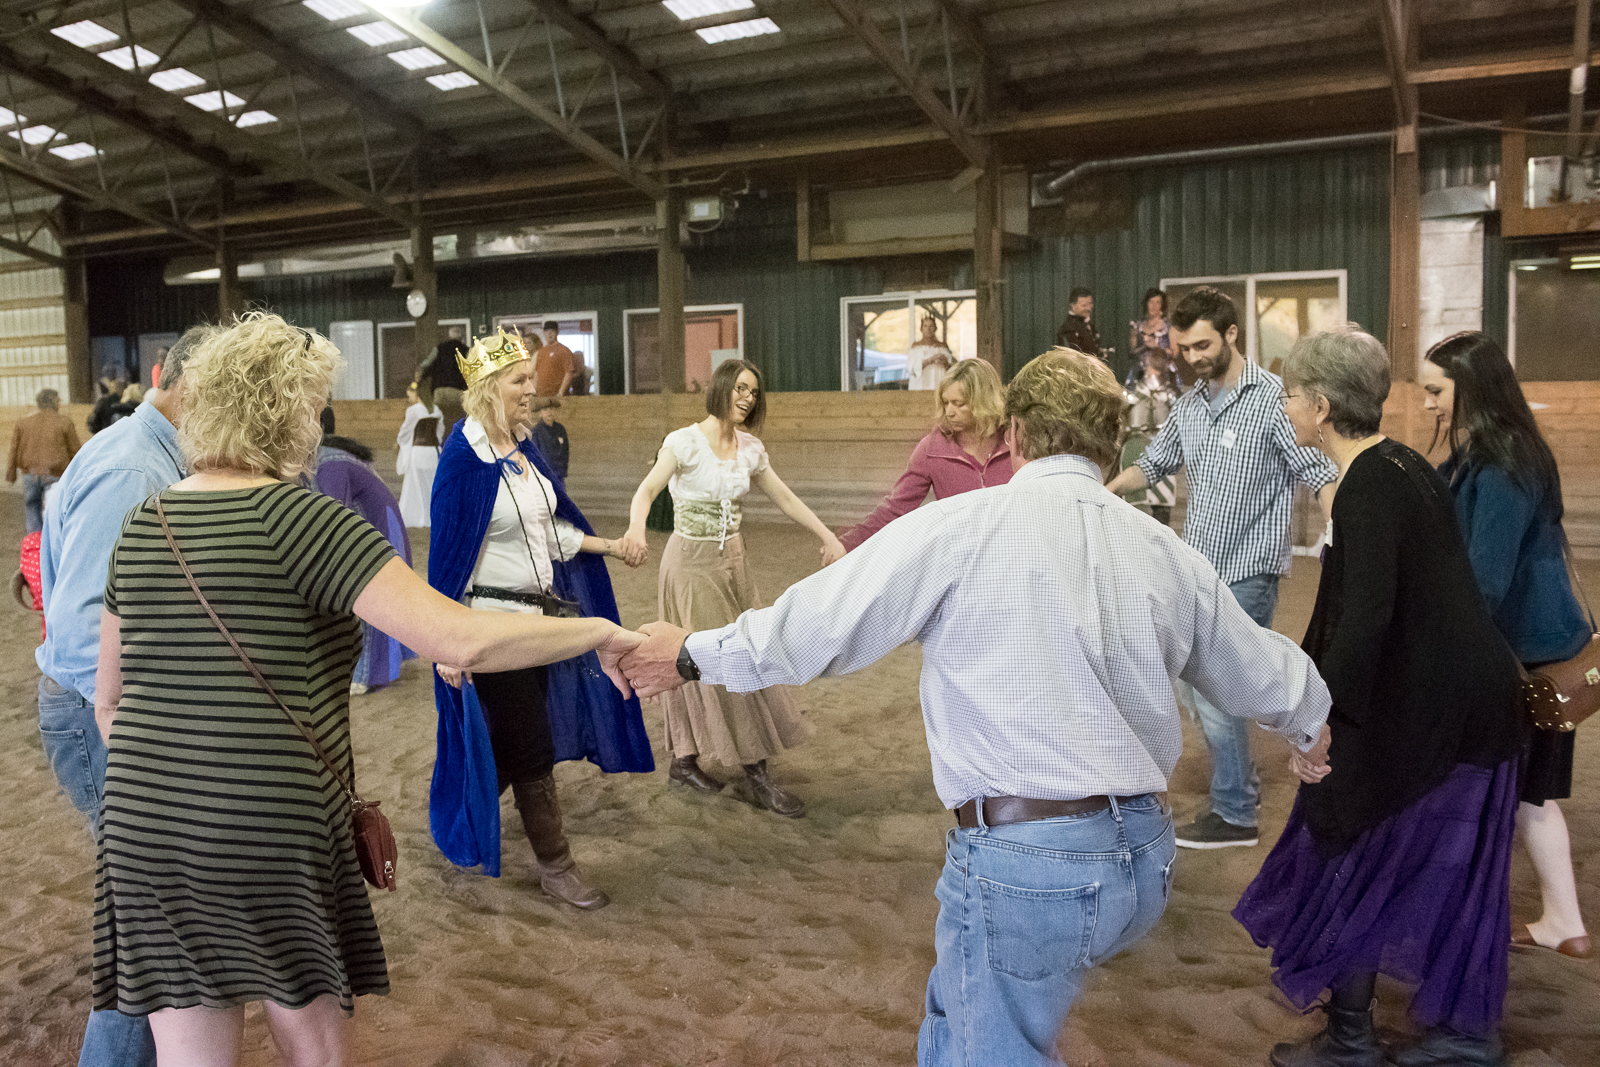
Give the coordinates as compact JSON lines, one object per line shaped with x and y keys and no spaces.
{"x":769,"y":796}
{"x":541,"y":819}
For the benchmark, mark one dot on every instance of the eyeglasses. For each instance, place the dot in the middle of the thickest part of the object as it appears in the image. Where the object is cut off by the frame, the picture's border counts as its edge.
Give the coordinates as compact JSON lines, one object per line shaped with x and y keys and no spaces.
{"x":1285,"y":396}
{"x":746,"y":390}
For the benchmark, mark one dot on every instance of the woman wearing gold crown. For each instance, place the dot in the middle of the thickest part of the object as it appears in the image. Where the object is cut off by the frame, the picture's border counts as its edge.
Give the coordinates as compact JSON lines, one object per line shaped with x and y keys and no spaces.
{"x":705,"y":582}
{"x":506,"y":537}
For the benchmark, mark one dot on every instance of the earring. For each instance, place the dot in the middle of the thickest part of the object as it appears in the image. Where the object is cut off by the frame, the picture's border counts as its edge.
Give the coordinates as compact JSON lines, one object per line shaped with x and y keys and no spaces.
{"x":1320,"y":441}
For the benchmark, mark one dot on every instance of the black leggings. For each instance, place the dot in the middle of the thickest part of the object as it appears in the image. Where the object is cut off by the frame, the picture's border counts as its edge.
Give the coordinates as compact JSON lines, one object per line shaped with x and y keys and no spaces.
{"x":519,"y":726}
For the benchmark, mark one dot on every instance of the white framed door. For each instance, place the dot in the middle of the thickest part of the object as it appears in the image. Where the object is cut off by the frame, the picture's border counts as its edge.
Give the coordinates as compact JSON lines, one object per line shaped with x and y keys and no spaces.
{"x":396,"y":354}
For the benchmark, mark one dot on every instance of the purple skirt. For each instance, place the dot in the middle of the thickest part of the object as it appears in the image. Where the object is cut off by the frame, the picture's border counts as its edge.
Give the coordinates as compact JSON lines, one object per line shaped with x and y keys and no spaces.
{"x":1423,"y":896}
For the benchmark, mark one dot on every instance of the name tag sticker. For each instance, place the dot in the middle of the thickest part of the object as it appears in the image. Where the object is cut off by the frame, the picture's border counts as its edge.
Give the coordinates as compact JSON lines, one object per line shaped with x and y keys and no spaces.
{"x":1229,"y":437}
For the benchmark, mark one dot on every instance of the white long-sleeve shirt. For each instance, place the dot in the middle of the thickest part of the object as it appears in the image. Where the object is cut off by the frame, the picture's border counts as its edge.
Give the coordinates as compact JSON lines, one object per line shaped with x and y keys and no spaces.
{"x":1053,"y":618}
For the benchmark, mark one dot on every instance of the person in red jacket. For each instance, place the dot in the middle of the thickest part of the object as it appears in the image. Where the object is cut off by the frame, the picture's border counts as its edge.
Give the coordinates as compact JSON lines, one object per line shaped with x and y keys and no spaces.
{"x":965,"y":450}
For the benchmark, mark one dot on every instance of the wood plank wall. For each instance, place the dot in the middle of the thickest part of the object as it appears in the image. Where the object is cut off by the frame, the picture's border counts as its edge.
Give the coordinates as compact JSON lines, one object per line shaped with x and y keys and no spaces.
{"x":841,"y":452}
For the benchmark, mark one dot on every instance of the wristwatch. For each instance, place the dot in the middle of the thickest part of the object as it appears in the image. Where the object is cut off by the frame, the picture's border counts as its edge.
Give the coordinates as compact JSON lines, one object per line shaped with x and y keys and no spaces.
{"x":686,"y":666}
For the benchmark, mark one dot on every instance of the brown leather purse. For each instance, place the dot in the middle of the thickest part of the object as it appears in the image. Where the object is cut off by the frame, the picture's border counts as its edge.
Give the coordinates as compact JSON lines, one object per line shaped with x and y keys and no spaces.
{"x":374,"y":838}
{"x":1560,"y":696}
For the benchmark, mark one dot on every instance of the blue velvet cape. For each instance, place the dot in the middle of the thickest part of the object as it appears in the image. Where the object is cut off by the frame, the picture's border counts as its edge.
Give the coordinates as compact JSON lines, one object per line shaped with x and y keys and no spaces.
{"x":589,"y":719}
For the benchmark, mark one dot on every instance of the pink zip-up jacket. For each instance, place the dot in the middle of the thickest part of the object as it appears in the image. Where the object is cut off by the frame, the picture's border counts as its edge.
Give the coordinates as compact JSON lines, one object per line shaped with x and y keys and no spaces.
{"x":938,"y":463}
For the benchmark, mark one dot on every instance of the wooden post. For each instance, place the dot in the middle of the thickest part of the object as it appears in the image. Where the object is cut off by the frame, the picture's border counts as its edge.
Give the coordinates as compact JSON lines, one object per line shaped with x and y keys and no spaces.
{"x":671,"y":281}
{"x":230,"y":299}
{"x":1405,"y":257}
{"x":75,"y":305}
{"x":802,"y":212}
{"x":986,"y":242}
{"x":424,"y":278}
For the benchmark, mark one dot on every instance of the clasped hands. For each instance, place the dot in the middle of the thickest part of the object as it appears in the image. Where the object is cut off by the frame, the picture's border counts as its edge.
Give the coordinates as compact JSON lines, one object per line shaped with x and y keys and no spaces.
{"x":1312,"y":767}
{"x":643,"y":661}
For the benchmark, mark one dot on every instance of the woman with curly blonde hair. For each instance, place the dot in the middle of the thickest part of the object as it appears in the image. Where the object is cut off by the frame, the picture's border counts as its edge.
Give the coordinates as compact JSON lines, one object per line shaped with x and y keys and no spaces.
{"x":965,"y":450}
{"x":227,"y":866}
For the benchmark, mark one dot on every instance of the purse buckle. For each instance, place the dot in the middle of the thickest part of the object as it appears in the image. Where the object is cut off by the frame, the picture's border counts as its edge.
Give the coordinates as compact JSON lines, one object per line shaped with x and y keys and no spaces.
{"x":1592,"y":676}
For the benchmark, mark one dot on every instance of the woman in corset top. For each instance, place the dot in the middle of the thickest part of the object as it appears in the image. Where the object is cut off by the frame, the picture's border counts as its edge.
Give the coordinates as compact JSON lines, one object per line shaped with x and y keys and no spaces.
{"x":705,"y":582}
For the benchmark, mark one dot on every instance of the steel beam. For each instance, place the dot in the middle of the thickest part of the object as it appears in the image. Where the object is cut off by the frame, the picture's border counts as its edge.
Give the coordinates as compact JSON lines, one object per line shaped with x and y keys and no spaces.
{"x":564,"y":129}
{"x":258,"y":38}
{"x":31,"y":252}
{"x":280,"y":164}
{"x":853,"y":15}
{"x":47,"y":178}
{"x":586,"y":32}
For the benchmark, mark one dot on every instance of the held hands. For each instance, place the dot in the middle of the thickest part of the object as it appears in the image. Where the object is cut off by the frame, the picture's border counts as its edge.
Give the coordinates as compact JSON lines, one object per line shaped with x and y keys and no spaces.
{"x":611,"y":652}
{"x":652,"y":666}
{"x":633,"y":548}
{"x":1312,"y":767}
{"x":832,"y":550}
{"x":452,"y":676}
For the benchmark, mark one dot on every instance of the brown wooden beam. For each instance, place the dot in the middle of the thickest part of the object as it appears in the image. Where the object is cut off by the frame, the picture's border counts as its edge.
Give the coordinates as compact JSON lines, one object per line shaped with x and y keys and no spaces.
{"x":424,"y":279}
{"x":75,"y":324}
{"x":987,"y":266}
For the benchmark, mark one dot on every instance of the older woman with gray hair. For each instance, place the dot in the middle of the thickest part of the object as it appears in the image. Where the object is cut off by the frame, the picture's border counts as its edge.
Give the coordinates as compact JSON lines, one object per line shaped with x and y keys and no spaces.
{"x":227,"y":863}
{"x":1396,"y":857}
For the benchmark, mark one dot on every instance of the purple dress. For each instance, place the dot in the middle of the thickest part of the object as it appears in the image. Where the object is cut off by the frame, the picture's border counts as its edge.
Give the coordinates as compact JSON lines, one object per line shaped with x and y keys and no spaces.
{"x":1399,"y":860}
{"x":353,"y":484}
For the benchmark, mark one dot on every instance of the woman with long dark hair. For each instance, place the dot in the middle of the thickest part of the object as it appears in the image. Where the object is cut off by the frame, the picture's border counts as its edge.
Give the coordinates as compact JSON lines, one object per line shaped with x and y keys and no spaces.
{"x":705,"y":582}
{"x":1508,"y":501}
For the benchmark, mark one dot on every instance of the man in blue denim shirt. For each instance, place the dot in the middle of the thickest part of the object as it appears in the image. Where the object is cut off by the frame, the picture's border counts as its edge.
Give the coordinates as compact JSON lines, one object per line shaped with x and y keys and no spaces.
{"x":115,"y":471}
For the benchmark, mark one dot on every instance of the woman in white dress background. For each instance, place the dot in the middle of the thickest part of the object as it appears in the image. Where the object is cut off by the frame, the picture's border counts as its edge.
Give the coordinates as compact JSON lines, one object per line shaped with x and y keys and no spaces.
{"x":418,"y":458}
{"x":705,"y":582}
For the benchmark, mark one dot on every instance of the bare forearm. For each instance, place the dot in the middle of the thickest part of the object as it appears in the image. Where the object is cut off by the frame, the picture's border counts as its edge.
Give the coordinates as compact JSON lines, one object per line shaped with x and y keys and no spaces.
{"x":1129,"y":480}
{"x":506,"y":641}
{"x":108,"y":674}
{"x":601,"y":546}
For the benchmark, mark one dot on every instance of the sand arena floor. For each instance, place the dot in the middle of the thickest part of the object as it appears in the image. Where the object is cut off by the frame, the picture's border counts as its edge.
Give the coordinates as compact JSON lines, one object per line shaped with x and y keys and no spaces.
{"x":734,"y":937}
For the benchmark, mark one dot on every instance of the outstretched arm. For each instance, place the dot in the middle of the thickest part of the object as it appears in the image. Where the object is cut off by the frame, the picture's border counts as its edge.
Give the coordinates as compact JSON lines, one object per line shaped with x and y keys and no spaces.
{"x":796,"y":509}
{"x":108,"y":674}
{"x":633,"y":543}
{"x":402,"y":605}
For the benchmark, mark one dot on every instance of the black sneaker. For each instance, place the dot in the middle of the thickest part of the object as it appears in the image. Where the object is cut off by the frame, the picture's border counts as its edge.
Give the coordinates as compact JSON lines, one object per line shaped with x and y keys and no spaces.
{"x":1212,"y":831}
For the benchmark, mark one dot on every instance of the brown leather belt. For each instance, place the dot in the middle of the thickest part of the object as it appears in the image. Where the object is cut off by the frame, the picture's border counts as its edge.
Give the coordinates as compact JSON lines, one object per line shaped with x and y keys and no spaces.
{"x":1003,"y":811}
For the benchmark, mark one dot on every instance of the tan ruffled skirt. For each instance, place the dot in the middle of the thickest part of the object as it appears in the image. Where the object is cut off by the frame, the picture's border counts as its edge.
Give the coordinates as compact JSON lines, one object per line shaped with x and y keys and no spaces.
{"x":702,"y":588}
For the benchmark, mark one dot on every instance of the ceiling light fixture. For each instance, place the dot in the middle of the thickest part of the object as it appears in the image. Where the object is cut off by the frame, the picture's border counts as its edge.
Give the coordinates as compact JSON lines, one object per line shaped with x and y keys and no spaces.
{"x":125,"y":57}
{"x":85,"y":34}
{"x":78,"y":150}
{"x":334,"y":10}
{"x":456,"y":79}
{"x":694,"y":9}
{"x":417,"y":58}
{"x":255,"y":118}
{"x":214,"y":100}
{"x":733,"y":31}
{"x":175,"y":78}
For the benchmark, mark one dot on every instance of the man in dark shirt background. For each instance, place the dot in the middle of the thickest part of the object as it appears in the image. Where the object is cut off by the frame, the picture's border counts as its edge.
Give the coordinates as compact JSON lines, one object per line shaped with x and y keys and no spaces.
{"x":1076,"y":330}
{"x":439,"y":382}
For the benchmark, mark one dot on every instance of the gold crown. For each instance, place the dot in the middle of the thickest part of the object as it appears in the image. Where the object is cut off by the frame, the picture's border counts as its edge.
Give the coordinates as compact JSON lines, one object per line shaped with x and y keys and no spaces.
{"x":489,"y":354}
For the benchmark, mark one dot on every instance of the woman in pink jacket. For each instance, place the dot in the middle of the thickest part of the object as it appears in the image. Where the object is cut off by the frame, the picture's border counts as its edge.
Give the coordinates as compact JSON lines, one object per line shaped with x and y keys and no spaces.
{"x":965,"y":450}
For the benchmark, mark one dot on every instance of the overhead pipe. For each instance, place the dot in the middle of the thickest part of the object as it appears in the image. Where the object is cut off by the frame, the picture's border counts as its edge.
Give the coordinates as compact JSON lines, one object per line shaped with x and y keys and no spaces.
{"x":1054,"y":186}
{"x":1580,"y":82}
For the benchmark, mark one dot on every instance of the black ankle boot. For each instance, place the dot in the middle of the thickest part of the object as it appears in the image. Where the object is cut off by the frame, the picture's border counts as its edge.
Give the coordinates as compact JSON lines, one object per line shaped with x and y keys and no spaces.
{"x":770,"y":796}
{"x":685,"y":770}
{"x":1441,"y":1047}
{"x":1348,"y":1041}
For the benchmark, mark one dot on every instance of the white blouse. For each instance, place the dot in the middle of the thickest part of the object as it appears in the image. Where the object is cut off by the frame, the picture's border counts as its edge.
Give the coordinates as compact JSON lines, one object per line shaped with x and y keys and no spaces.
{"x":700,"y":475}
{"x":524,"y":505}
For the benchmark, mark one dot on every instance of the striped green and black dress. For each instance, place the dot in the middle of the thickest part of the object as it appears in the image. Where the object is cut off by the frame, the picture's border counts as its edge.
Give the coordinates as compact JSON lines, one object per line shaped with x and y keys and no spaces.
{"x":227,"y":869}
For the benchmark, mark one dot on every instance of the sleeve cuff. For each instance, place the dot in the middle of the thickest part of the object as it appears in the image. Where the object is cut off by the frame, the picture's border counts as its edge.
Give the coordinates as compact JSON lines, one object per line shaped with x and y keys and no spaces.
{"x":705,"y":648}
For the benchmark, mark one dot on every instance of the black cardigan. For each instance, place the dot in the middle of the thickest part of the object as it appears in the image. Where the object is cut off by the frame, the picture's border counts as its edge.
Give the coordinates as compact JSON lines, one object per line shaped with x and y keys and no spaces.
{"x":1421,"y":679}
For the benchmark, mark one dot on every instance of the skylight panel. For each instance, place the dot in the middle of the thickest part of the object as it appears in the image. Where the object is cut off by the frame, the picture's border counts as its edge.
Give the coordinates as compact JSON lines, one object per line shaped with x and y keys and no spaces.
{"x":10,"y":118}
{"x":255,"y":118}
{"x":334,"y":10}
{"x":78,"y":150}
{"x":376,"y":33}
{"x":85,"y":34}
{"x":733,"y":31}
{"x":694,"y":9}
{"x":456,"y":79}
{"x":214,"y":100}
{"x":35,"y":135}
{"x":417,"y":58}
{"x":124,"y":57}
{"x":175,"y":78}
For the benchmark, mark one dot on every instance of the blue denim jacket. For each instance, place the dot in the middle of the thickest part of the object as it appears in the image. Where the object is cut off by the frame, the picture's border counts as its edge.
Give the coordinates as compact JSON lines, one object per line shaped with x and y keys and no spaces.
{"x":118,"y":468}
{"x":1516,"y":553}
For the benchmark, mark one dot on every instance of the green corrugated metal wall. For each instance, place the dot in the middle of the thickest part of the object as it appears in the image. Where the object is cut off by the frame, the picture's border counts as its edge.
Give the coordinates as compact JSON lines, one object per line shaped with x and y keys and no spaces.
{"x":1314,"y":211}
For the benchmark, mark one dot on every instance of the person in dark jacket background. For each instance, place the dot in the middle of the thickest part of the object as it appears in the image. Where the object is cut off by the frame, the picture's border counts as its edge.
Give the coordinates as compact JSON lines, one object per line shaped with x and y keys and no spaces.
{"x":1508,"y":501}
{"x":549,"y":436}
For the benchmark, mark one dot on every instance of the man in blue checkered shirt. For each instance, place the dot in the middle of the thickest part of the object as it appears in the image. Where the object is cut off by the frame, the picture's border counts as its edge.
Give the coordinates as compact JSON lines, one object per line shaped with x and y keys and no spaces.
{"x":1232,"y":436}
{"x":1053,"y":620}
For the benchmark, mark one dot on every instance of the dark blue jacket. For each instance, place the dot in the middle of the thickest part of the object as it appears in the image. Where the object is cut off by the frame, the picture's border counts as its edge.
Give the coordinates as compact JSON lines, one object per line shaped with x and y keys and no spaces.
{"x":1516,"y":552}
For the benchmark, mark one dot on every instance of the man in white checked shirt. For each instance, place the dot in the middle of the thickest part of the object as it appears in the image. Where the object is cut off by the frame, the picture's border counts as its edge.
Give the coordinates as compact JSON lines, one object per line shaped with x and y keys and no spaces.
{"x":1053,"y":618}
{"x":1230,"y":434}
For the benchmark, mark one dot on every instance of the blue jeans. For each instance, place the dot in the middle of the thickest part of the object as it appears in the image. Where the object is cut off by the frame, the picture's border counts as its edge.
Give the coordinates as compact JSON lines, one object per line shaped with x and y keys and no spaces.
{"x":77,"y":755}
{"x":1235,"y":785}
{"x":33,"y":486}
{"x":1024,"y":911}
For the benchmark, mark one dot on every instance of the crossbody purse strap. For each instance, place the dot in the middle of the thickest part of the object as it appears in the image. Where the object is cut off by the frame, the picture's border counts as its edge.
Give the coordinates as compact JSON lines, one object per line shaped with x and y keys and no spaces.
{"x":1572,"y":569}
{"x":194,"y":586}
